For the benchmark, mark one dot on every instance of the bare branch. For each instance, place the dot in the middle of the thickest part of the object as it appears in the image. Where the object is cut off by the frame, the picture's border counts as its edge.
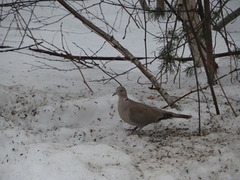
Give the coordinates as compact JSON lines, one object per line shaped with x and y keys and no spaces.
{"x":118,"y":58}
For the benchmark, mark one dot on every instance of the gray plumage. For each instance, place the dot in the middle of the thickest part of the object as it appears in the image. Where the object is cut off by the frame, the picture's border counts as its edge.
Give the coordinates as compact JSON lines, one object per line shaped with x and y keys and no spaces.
{"x":140,"y":115}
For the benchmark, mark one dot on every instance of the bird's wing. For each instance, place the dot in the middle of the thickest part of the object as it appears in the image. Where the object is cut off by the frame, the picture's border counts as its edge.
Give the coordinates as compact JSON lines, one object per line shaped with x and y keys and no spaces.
{"x":142,"y":115}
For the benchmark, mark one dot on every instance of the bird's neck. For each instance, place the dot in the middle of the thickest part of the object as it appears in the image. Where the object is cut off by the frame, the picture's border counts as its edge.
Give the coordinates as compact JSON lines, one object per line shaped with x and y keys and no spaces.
{"x":124,"y":99}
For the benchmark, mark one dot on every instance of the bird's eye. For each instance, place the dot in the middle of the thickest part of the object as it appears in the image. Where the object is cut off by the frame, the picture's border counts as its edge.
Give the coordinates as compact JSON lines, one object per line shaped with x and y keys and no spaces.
{"x":121,"y":90}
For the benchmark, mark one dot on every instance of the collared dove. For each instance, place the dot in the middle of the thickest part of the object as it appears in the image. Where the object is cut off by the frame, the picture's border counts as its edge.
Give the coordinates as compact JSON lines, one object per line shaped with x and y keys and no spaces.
{"x":140,"y":115}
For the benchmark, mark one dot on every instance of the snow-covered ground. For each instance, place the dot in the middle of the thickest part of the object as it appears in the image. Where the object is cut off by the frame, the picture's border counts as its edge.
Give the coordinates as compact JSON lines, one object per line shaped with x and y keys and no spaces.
{"x":53,"y":127}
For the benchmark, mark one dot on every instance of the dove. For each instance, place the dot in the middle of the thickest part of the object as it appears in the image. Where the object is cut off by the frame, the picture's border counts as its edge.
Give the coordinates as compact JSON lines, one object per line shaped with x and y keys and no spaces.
{"x":141,"y":115}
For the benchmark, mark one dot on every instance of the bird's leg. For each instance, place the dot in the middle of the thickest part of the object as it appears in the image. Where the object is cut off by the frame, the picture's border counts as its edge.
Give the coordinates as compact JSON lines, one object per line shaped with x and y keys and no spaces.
{"x":134,"y":130}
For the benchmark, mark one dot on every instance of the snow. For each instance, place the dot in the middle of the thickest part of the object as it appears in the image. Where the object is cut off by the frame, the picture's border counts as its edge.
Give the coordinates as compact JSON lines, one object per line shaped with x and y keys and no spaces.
{"x":53,"y":127}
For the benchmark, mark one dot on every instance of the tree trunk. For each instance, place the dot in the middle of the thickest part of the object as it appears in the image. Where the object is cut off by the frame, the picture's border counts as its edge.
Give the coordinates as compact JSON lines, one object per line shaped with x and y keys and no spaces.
{"x":210,"y":60}
{"x":210,"y":64}
{"x":127,"y":54}
{"x":227,"y":20}
{"x":191,"y":31}
{"x":189,"y":13}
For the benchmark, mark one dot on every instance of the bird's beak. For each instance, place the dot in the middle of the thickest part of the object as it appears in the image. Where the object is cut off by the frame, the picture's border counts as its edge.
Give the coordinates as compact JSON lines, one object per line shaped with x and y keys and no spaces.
{"x":114,"y":94}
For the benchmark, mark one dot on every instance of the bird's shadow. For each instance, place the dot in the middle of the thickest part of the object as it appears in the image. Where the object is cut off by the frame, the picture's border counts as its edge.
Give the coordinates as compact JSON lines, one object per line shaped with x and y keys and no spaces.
{"x":168,"y":135}
{"x":169,"y":132}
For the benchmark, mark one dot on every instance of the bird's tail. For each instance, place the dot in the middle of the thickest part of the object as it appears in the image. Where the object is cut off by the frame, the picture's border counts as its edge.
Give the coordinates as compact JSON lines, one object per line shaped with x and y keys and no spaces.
{"x":181,"y":116}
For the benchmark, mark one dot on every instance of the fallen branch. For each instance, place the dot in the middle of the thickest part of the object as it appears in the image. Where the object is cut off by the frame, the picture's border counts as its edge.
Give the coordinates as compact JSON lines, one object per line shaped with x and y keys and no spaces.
{"x":127,"y":54}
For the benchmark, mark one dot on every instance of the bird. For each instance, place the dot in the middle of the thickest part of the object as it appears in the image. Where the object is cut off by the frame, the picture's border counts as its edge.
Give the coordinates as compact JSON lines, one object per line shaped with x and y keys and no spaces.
{"x":141,"y":115}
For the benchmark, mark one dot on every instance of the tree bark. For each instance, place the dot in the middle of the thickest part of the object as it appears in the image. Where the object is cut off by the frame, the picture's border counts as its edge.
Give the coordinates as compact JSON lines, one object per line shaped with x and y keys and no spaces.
{"x":160,"y":6}
{"x":127,"y":54}
{"x":189,"y":13}
{"x":144,"y":5}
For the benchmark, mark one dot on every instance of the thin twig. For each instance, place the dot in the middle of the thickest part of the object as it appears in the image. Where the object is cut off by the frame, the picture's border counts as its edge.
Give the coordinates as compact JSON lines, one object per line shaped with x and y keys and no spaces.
{"x":84,"y":80}
{"x":24,"y":47}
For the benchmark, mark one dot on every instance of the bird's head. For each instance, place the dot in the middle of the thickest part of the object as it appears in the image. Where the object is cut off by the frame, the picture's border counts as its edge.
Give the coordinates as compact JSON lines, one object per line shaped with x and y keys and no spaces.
{"x":121,"y":92}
